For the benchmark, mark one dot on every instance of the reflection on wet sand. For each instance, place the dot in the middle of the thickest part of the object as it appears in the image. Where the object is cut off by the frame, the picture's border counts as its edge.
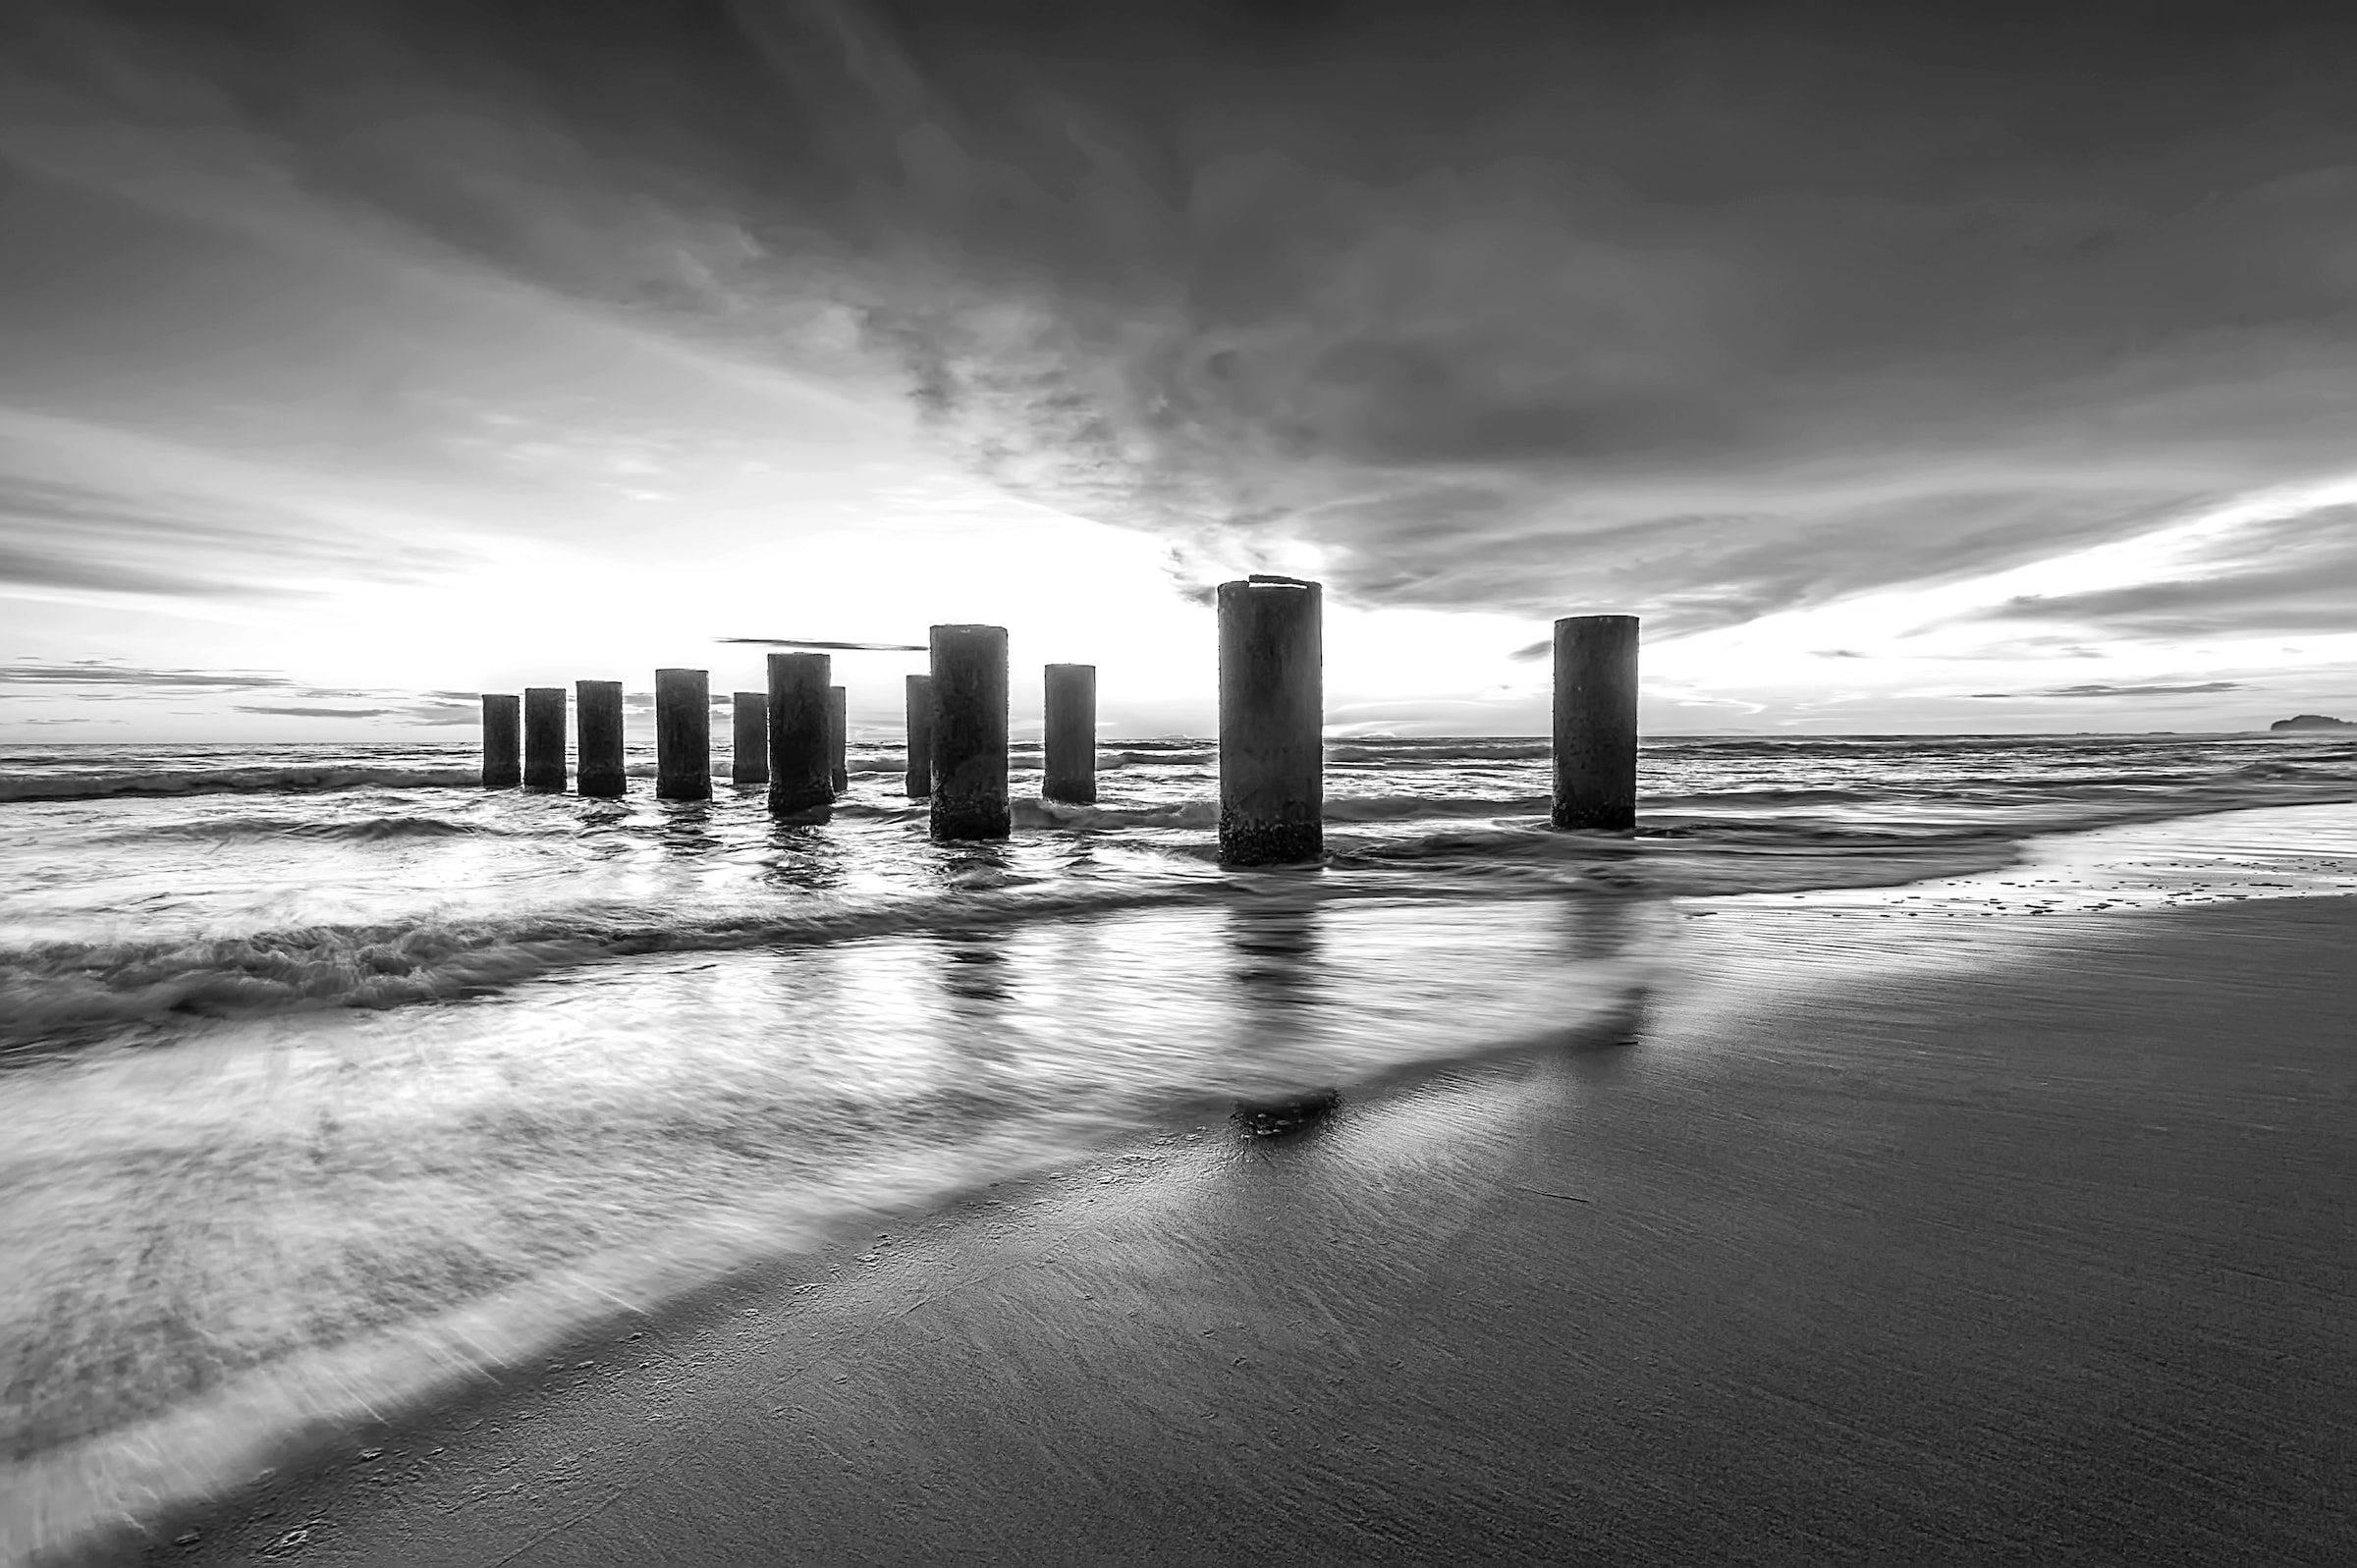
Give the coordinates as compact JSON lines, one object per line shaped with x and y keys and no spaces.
{"x":1272,"y":981}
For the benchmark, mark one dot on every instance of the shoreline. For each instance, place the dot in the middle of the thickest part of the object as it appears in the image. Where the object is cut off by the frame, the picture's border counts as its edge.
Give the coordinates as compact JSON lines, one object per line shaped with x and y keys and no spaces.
{"x":1384,"y":1294}
{"x":1751,"y":976}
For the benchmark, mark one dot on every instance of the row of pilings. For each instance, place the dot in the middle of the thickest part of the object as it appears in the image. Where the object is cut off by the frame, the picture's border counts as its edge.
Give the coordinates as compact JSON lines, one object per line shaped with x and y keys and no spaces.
{"x":792,"y":738}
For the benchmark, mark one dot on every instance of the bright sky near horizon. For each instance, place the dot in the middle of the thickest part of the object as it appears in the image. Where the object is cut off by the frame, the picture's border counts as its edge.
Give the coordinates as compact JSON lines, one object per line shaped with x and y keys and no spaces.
{"x":1906,"y":368}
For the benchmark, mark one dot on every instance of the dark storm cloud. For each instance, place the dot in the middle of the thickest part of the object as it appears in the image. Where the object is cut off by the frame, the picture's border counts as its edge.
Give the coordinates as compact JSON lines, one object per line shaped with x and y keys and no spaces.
{"x":1705,"y":311}
{"x":2100,"y":690}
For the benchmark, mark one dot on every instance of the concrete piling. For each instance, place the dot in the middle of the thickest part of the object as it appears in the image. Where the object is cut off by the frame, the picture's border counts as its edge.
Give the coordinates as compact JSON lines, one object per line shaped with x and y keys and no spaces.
{"x":919,"y":781}
{"x":544,"y":738}
{"x":799,"y":776}
{"x":838,"y":738}
{"x":503,"y":741}
{"x":597,"y":716}
{"x":683,"y":735}
{"x":1070,"y":746}
{"x":969,"y":733}
{"x":1272,"y":711}
{"x":749,"y":737}
{"x":1596,"y":722}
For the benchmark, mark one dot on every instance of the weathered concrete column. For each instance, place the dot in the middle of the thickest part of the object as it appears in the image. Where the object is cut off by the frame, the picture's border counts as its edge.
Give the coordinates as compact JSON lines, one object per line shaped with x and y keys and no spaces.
{"x":544,"y":738}
{"x":1272,"y":711}
{"x":1069,"y":749}
{"x":838,"y":738}
{"x":683,"y":735}
{"x":597,"y":715}
{"x":798,"y":773}
{"x":1596,"y":722}
{"x":969,"y":733}
{"x":503,"y":741}
{"x":919,"y":781}
{"x":749,"y":737}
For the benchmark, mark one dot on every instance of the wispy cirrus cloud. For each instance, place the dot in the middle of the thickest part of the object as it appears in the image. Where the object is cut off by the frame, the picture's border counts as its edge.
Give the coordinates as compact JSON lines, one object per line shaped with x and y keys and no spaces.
{"x":2101,"y":689}
{"x":300,"y":711}
{"x":817,"y":645}
{"x":130,"y":538}
{"x":2294,"y":574}
{"x":109,"y":681}
{"x":82,"y":673}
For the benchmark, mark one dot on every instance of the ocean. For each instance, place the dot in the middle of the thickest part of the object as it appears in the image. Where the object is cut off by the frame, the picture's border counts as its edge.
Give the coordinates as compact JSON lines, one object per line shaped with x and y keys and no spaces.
{"x":329,"y":1080}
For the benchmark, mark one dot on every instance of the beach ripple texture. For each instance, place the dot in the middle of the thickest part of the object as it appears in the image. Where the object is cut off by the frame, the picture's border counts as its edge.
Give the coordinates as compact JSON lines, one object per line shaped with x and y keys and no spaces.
{"x":328,"y":1078}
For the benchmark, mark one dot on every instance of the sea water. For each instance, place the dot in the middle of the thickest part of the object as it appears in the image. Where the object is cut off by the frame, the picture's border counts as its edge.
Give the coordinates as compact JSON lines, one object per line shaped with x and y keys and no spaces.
{"x":326,"y":1076}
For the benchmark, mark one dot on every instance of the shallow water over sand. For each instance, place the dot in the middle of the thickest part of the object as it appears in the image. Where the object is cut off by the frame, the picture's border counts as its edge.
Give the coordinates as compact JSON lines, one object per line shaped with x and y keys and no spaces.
{"x":321,"y":1094}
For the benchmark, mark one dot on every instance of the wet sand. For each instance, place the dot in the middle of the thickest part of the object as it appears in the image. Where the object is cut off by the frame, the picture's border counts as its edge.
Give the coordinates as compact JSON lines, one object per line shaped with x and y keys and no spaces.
{"x":1963,"y":1247}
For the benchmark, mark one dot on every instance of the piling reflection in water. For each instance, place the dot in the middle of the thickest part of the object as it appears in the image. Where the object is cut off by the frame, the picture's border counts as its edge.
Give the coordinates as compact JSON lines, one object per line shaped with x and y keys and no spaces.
{"x":685,"y":834}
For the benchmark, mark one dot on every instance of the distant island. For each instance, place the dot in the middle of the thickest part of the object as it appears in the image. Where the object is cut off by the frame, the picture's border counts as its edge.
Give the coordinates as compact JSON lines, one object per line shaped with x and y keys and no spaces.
{"x":2313,"y":721}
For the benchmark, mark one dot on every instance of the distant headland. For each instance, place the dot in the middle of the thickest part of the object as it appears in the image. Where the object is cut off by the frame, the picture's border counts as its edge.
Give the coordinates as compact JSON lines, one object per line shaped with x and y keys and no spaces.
{"x":2313,"y":721}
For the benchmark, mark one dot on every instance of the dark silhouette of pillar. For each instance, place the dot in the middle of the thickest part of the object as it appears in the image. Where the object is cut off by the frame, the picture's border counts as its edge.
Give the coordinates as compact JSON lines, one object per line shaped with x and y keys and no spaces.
{"x":799,"y":777}
{"x":838,"y":738}
{"x":1596,"y":722}
{"x":1070,"y":746}
{"x":597,"y":715}
{"x":544,"y":738}
{"x":503,"y":741}
{"x":920,"y":736}
{"x":683,"y":735}
{"x":969,"y":733}
{"x":1272,"y":711}
{"x":749,"y":739}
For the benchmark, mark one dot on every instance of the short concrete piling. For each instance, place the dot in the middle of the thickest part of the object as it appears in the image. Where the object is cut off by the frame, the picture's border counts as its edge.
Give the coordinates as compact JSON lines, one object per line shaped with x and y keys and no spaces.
{"x":683,"y":735}
{"x":919,"y":779}
{"x":503,"y":741}
{"x":1272,"y":711}
{"x":799,"y":776}
{"x":749,"y":737}
{"x":1596,"y":722}
{"x":597,"y":711}
{"x":969,"y":733}
{"x":838,"y":738}
{"x":1070,"y":746}
{"x":544,"y":738}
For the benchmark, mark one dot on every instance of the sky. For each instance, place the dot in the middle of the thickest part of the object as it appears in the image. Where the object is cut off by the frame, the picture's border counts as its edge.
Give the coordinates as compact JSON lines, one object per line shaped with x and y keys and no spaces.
{"x":1906,"y":368}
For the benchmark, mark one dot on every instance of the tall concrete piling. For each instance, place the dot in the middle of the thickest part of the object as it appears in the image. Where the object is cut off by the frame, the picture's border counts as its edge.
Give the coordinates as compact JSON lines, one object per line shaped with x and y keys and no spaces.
{"x":838,"y":738}
{"x":919,"y":781}
{"x":970,"y":734}
{"x":683,"y":735}
{"x":800,"y":783}
{"x":503,"y":741}
{"x":749,"y":737}
{"x":597,"y":715}
{"x":544,"y":738}
{"x":1596,"y":722}
{"x":1070,"y":747}
{"x":1271,"y":709}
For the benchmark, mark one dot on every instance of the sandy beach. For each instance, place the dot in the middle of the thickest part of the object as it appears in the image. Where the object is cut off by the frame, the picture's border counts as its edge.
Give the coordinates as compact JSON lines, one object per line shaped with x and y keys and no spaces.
{"x":1964,"y":1241}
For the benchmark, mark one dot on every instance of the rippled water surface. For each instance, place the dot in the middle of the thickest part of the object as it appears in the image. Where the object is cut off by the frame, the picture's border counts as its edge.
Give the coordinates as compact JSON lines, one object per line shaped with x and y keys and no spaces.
{"x":324,"y":1071}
